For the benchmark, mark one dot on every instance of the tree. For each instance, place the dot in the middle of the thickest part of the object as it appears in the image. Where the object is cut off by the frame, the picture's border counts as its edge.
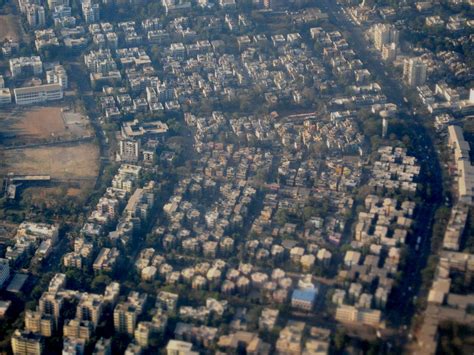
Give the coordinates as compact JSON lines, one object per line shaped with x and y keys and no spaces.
{"x":340,"y":339}
{"x":281,"y":217}
{"x":100,"y":282}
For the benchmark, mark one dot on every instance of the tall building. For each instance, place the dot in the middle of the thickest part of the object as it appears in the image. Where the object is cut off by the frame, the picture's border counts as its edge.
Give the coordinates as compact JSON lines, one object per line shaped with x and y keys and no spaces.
{"x":90,"y":11}
{"x":57,"y":75}
{"x":78,"y":329}
{"x":4,"y":271}
{"x":35,"y":15}
{"x":385,"y":34}
{"x":125,"y":318}
{"x":51,"y":304}
{"x":90,"y":308}
{"x":389,"y":52}
{"x":143,"y":333}
{"x":26,"y":343}
{"x":38,"y":323}
{"x":26,"y":66}
{"x":414,"y":72}
{"x":129,"y":150}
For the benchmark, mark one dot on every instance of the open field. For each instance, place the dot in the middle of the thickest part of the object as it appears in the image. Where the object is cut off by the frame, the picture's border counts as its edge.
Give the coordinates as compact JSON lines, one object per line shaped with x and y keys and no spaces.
{"x":10,"y":28}
{"x":25,"y":125}
{"x":67,"y":163}
{"x":49,"y":140}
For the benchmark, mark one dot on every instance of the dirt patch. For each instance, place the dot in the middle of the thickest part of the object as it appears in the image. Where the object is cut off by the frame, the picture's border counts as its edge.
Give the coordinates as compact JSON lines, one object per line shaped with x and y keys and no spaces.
{"x":76,"y":162}
{"x":41,"y":125}
{"x":73,"y":191}
{"x":52,"y":197}
{"x":10,"y":28}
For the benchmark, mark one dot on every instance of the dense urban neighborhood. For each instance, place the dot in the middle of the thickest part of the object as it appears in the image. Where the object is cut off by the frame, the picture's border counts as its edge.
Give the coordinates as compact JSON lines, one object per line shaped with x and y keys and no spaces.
{"x":236,"y":177}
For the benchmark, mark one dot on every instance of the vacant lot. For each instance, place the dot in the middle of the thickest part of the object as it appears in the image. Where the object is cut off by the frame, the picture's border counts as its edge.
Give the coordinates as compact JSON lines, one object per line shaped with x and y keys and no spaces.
{"x":41,"y":124}
{"x":67,"y":163}
{"x":34,"y":141}
{"x":9,"y":28}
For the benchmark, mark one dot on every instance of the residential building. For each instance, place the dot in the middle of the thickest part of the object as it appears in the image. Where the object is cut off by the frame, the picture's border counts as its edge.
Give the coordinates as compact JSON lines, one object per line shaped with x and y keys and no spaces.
{"x":129,"y":150}
{"x":414,"y":72}
{"x":351,"y":314}
{"x":125,"y":318}
{"x":304,"y":298}
{"x":5,"y":96}
{"x":177,"y":347}
{"x":78,"y":329}
{"x":50,"y":304}
{"x":57,"y":75}
{"x":90,"y":308}
{"x":26,"y":66}
{"x":39,"y":323}
{"x":4,"y":271}
{"x":385,"y":34}
{"x":90,"y":11}
{"x":26,"y":343}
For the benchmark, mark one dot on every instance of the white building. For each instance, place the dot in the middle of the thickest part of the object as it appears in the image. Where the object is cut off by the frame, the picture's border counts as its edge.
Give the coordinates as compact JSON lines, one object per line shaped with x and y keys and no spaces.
{"x":5,"y":96}
{"x":414,"y":72}
{"x":38,"y":94}
{"x":351,"y":314}
{"x":129,"y":150}
{"x":22,"y":65}
{"x":91,"y":12}
{"x":57,"y":75}
{"x":385,"y":34}
{"x":177,"y":347}
{"x":35,"y":15}
{"x":53,"y":3}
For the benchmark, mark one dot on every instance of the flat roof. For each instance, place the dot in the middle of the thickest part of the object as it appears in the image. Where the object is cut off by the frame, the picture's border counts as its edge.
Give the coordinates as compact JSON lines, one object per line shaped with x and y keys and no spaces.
{"x":17,"y":283}
{"x":39,"y":88}
{"x":307,"y":294}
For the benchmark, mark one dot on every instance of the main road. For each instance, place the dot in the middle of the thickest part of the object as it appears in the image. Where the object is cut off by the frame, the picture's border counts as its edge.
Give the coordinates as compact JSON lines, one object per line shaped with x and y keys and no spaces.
{"x":422,"y":147}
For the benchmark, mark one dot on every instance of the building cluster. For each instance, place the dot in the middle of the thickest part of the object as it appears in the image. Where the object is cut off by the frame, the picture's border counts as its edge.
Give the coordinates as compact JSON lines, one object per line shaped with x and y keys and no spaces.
{"x":55,"y":83}
{"x":120,"y":213}
{"x":385,"y":38}
{"x":49,"y":318}
{"x":139,"y":141}
{"x":463,"y":168}
{"x":380,"y":235}
{"x":220,"y":76}
{"x":438,"y":75}
{"x":34,"y":12}
{"x":262,"y":213}
{"x":37,"y":239}
{"x":395,"y":170}
{"x":450,"y":297}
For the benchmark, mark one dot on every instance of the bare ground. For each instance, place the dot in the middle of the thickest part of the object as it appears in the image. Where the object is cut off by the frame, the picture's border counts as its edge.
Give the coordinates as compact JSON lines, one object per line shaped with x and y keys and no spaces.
{"x":10,"y":28}
{"x":40,"y":124}
{"x":68,"y":163}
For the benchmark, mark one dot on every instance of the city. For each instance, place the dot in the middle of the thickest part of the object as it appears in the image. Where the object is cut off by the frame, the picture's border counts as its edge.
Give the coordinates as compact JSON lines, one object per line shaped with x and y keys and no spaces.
{"x":236,"y":177}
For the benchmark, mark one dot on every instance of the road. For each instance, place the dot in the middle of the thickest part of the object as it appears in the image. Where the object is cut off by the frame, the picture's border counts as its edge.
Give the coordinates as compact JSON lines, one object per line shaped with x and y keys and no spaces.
{"x":424,"y":151}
